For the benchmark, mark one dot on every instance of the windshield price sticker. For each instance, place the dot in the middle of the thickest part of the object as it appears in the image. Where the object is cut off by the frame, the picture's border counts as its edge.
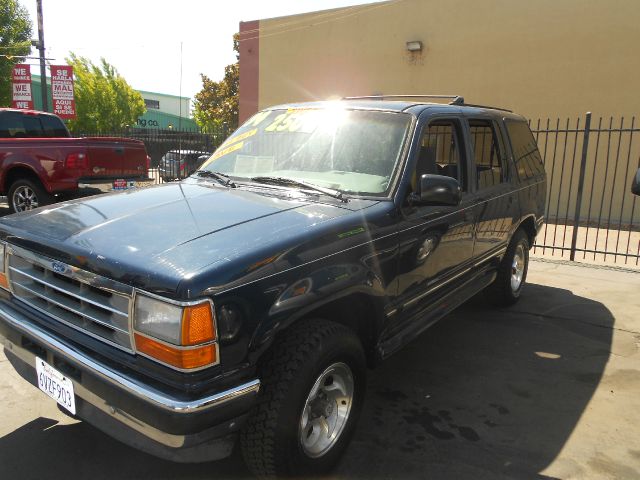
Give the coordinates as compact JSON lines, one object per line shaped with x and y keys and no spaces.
{"x":224,"y":151}
{"x":55,"y":385}
{"x":237,"y":138}
{"x":294,"y":121}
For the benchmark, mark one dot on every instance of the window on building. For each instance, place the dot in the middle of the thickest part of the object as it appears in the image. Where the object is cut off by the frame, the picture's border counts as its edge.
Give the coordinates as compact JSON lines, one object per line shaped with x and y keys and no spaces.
{"x":154,"y":104}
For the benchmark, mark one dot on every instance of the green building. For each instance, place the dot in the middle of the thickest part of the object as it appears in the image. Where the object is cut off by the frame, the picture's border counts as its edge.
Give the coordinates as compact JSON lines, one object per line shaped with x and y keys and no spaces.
{"x":164,"y":112}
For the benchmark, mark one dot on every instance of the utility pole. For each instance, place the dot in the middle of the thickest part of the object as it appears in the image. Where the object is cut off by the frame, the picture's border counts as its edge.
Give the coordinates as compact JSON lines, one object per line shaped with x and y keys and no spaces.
{"x":43,"y":67}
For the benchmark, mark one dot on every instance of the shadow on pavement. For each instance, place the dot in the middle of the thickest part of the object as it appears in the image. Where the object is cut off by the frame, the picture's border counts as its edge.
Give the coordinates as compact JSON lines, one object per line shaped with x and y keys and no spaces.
{"x":484,"y":394}
{"x":45,"y":449}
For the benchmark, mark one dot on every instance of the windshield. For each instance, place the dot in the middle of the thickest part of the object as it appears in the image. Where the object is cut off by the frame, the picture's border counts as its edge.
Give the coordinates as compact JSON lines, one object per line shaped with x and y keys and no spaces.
{"x":352,"y":151}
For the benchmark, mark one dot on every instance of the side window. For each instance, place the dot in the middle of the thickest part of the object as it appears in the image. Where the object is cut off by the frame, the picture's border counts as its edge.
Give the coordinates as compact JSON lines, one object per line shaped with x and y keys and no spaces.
{"x":11,"y":125}
{"x":488,"y":154}
{"x":32,"y":126}
{"x":440,"y":152}
{"x":18,"y":125}
{"x":525,"y":150}
{"x":53,"y":126}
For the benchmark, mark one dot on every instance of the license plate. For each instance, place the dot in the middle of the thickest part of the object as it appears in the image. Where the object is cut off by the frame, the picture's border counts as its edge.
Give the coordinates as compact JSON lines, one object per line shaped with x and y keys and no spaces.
{"x":143,"y":184}
{"x":122,"y":184}
{"x":56,"y":385}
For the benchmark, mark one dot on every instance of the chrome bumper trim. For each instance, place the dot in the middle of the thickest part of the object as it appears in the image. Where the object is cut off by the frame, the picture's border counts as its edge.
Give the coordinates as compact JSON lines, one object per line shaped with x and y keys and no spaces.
{"x":129,"y":385}
{"x":107,"y":187}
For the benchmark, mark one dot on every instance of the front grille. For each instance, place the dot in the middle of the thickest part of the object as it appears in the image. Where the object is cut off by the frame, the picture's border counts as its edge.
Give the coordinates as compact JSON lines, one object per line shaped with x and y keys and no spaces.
{"x":77,"y":298}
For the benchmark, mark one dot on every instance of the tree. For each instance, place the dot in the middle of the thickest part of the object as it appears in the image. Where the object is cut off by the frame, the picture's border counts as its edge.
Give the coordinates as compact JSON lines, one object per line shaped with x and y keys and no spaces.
{"x":104,"y":99}
{"x":216,"y":105}
{"x":15,"y":43}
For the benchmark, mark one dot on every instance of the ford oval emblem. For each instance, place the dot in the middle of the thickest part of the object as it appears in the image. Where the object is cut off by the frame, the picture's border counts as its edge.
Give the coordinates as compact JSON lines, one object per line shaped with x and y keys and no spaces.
{"x":58,"y":267}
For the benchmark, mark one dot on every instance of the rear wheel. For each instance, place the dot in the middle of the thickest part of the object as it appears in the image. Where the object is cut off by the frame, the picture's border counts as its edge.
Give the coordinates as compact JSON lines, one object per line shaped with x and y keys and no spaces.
{"x":26,"y":195}
{"x":312,"y":390}
{"x":512,"y":272}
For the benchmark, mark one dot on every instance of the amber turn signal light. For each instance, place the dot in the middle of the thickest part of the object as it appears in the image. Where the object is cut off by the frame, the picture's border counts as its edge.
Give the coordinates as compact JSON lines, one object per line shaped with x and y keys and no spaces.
{"x":197,"y":324}
{"x":4,"y":283}
{"x":181,"y":358}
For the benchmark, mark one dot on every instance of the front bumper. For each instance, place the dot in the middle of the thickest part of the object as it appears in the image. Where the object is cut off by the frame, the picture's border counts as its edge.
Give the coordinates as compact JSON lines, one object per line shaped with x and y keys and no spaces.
{"x":172,"y":427}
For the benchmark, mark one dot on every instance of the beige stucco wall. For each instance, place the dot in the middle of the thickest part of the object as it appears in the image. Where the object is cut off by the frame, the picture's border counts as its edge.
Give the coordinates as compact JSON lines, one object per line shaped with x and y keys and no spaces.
{"x":540,"y":58}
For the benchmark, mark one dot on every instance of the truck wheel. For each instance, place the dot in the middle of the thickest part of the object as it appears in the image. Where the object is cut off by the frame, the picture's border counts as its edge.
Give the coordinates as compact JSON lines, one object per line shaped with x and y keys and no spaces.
{"x":313,"y":384}
{"x":26,"y":195}
{"x":512,"y":272}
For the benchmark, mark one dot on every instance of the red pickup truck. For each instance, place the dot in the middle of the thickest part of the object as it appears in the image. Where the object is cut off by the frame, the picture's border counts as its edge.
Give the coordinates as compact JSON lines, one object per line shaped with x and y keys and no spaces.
{"x":40,"y":162}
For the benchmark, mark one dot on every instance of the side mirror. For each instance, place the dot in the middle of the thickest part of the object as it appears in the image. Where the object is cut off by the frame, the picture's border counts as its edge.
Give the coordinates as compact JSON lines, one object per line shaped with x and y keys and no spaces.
{"x":438,"y":190}
{"x":635,"y":186}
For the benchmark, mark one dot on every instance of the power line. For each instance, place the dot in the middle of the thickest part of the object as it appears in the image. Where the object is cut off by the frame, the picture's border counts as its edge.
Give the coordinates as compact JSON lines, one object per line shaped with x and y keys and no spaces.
{"x":10,"y":57}
{"x":339,"y":15}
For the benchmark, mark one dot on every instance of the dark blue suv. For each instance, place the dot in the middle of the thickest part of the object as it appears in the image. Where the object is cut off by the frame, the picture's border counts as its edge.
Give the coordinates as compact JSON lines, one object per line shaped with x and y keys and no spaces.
{"x":249,"y":299}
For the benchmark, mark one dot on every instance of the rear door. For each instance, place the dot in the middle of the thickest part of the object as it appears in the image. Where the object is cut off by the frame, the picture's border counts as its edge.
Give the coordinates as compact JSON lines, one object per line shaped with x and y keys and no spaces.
{"x":496,"y":201}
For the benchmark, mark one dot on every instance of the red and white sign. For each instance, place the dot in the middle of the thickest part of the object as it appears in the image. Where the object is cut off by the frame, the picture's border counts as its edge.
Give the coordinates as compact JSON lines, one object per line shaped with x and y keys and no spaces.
{"x":21,"y":84}
{"x":64,"y":104}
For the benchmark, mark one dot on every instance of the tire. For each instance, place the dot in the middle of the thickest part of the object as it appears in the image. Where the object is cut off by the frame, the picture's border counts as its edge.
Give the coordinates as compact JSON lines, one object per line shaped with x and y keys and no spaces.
{"x":512,"y":272}
{"x":26,"y":195}
{"x":283,"y":435}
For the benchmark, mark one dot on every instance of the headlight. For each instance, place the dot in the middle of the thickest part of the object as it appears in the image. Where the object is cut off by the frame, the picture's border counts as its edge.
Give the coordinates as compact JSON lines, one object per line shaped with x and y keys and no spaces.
{"x":182,"y":335}
{"x":159,"y":319}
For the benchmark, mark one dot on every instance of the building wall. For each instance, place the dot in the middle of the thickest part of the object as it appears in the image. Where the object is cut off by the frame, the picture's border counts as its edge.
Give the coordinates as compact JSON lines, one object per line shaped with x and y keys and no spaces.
{"x":172,"y":104}
{"x":155,"y":119}
{"x":543,"y":58}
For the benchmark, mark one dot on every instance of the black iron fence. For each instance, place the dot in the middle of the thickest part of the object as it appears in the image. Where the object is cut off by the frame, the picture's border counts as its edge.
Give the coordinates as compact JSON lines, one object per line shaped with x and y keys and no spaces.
{"x":159,"y":142}
{"x":591,"y":213}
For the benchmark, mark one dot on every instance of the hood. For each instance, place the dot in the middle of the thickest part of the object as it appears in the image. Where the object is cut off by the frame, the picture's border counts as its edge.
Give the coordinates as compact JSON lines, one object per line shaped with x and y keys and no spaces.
{"x":156,"y":237}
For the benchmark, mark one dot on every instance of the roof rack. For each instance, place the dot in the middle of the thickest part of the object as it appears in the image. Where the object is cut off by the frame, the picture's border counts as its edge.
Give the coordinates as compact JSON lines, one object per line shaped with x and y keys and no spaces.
{"x":456,"y":99}
{"x":486,"y":106}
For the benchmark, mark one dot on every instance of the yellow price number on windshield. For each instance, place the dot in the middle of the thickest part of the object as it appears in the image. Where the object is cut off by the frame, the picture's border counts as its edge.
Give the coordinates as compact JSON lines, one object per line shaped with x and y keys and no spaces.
{"x":290,"y":121}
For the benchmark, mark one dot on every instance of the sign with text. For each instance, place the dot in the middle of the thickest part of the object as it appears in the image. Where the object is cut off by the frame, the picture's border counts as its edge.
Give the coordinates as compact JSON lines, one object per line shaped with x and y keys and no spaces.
{"x":21,"y":85}
{"x":64,"y":104}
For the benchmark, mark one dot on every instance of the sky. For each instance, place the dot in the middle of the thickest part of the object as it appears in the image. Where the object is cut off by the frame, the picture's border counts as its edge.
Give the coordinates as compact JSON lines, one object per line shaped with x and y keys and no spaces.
{"x":142,"y":38}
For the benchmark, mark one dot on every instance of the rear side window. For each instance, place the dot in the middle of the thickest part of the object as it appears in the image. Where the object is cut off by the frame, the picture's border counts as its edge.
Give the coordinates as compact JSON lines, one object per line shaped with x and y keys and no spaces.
{"x":488,"y":153}
{"x":525,"y":150}
{"x":19,"y":125}
{"x":53,"y":126}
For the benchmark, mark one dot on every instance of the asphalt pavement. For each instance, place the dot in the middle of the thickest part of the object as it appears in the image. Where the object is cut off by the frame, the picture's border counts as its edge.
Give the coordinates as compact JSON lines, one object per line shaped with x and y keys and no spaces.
{"x":549,"y":388}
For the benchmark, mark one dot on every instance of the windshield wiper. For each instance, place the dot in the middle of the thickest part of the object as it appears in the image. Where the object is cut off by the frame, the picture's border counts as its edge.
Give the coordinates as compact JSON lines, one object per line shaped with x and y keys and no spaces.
{"x":220,"y":177}
{"x":299,"y":183}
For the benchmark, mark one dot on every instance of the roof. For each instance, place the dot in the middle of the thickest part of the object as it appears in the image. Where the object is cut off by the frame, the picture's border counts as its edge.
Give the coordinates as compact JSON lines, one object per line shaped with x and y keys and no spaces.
{"x":398,"y":106}
{"x":25,"y":111}
{"x":394,"y":105}
{"x":162,"y":94}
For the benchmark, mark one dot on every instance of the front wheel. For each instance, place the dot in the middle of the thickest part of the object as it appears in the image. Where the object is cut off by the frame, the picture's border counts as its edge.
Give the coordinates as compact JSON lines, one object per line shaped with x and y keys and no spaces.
{"x":26,"y":195}
{"x":313,"y":384}
{"x":512,"y":272}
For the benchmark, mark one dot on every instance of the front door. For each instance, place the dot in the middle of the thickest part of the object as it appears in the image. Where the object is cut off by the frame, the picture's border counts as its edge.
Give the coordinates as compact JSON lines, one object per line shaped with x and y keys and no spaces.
{"x":436,"y":242}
